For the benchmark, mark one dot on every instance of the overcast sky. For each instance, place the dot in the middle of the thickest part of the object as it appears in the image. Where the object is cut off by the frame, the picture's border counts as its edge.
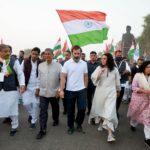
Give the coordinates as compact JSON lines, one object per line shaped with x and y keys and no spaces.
{"x":29,"y":23}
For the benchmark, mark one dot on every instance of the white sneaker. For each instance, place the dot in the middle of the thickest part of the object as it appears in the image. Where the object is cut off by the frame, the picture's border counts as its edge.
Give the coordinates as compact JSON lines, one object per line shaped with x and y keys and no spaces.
{"x":111,"y":138}
{"x":97,"y":119}
{"x":100,"y":128}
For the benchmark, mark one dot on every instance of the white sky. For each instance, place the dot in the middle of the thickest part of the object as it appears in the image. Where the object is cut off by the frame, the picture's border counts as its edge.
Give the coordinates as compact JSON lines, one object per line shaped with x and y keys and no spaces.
{"x":29,"y":23}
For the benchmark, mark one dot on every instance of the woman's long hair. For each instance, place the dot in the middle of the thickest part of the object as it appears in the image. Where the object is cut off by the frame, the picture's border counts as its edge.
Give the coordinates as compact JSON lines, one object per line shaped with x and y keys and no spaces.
{"x":143,"y":66}
{"x":110,"y":61}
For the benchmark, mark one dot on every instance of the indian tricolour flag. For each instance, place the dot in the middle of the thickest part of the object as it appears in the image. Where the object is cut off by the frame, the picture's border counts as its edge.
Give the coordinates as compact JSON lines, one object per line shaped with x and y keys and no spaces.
{"x":136,"y":53}
{"x":57,"y":49}
{"x":84,"y":27}
{"x":131,"y":53}
{"x":65,"y":47}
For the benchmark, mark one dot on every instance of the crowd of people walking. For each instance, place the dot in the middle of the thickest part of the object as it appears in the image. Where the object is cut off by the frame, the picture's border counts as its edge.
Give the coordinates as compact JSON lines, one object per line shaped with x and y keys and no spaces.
{"x":98,"y":86}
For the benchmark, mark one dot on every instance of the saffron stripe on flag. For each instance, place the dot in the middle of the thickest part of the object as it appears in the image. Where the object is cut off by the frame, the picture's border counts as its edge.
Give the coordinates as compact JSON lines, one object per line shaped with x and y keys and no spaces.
{"x":75,"y":14}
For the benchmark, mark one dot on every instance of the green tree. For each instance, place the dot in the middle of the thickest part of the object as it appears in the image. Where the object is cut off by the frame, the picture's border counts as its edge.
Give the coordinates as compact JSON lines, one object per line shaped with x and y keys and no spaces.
{"x":144,"y":39}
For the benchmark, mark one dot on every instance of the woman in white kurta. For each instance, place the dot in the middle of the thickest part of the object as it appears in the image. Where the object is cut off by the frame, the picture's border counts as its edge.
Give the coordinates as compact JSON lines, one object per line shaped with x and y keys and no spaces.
{"x":107,"y":81}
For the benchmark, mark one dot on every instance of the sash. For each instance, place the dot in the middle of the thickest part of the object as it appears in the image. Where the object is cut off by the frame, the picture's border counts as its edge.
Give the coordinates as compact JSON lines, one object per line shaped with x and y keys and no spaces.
{"x":8,"y":68}
{"x":143,"y":82}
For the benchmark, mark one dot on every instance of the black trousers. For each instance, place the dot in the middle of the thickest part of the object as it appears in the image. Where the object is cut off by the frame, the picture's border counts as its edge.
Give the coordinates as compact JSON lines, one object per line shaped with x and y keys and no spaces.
{"x":44,"y":102}
{"x":72,"y":97}
{"x":65,"y":103}
{"x":90,"y":94}
{"x":119,"y":100}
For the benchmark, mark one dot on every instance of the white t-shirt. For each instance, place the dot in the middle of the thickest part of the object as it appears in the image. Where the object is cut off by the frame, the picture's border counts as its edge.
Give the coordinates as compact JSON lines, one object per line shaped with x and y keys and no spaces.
{"x":75,"y":74}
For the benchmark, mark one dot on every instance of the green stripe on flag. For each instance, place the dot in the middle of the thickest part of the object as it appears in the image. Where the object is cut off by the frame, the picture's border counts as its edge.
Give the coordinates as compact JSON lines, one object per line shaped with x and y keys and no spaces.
{"x":91,"y":37}
{"x":111,"y":49}
{"x":57,"y":47}
{"x":131,"y":54}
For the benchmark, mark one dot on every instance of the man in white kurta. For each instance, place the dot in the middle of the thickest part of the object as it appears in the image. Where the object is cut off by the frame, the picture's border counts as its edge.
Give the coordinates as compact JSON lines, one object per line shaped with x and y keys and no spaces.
{"x":30,"y":100}
{"x":8,"y":92}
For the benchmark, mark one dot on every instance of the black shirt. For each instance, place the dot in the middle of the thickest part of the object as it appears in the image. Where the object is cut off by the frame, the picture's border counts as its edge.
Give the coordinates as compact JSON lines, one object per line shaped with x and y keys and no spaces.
{"x":91,"y":68}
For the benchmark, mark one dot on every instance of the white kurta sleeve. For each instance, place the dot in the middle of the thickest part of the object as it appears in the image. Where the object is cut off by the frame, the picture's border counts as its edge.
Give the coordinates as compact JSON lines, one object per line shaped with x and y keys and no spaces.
{"x":22,"y":65}
{"x":117,"y":78}
{"x":19,"y":72}
{"x":94,"y":76}
{"x":128,"y":67}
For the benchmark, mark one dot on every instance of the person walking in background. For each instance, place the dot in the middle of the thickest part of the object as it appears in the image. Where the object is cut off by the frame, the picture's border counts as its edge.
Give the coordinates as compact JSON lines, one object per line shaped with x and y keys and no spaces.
{"x":127,"y":87}
{"x":135,"y":68}
{"x":67,"y":55}
{"x":83,"y":56}
{"x":75,"y":75}
{"x":30,"y":99}
{"x":21,"y":61}
{"x":48,"y":90}
{"x":21,"y":56}
{"x":107,"y":81}
{"x":139,"y":107}
{"x":43,"y":56}
{"x":127,"y":91}
{"x":124,"y":71}
{"x":92,"y":65}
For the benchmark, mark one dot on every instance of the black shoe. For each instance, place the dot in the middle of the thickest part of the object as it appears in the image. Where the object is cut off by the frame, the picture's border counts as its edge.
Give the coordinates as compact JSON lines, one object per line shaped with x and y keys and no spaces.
{"x":32,"y":126}
{"x":7,"y":120}
{"x":64,"y":113}
{"x":132,"y":128}
{"x":79,"y":129}
{"x":70,"y":131}
{"x":147,"y":142}
{"x":40,"y":135}
{"x":126,"y":102}
{"x":13,"y":132}
{"x":93,"y":121}
{"x":88,"y":113}
{"x":55,"y":123}
{"x":118,"y":116}
{"x":29,"y":119}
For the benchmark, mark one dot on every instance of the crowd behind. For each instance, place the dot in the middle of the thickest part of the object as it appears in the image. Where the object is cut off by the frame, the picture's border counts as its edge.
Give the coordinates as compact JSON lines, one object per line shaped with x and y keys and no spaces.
{"x":97,"y":87}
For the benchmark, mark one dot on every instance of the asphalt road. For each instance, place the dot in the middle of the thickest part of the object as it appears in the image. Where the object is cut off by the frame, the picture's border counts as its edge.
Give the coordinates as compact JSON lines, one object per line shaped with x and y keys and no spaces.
{"x":58,"y":139}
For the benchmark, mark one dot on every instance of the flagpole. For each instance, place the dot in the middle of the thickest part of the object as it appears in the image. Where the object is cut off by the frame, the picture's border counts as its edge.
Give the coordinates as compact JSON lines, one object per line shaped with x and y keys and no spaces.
{"x":2,"y":41}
